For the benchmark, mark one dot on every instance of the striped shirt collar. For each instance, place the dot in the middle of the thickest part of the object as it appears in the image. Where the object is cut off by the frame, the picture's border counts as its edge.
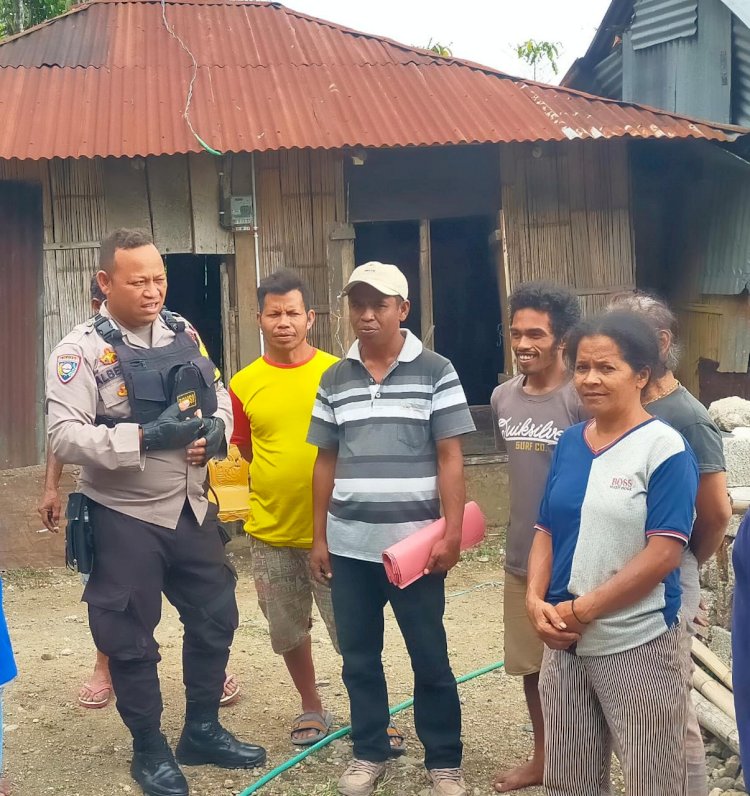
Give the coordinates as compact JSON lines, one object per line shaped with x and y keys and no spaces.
{"x":410,"y":350}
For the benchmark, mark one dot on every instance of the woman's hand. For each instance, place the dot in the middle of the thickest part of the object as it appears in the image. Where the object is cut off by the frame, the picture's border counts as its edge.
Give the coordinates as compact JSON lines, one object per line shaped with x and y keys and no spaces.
{"x":550,"y":626}
{"x":565,"y":611}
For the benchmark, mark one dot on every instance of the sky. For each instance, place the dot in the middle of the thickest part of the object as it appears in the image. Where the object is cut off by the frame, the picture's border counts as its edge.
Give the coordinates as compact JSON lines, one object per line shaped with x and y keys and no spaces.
{"x":478,"y":30}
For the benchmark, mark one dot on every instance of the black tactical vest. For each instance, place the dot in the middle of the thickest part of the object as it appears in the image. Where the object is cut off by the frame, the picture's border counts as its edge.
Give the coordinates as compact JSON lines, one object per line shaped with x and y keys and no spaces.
{"x":150,"y":374}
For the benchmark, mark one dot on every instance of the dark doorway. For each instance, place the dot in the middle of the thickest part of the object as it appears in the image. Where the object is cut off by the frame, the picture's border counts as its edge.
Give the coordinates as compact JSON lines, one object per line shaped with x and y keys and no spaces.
{"x":466,"y":298}
{"x":466,"y":303}
{"x":394,"y":242}
{"x":20,"y":323}
{"x":194,"y":291}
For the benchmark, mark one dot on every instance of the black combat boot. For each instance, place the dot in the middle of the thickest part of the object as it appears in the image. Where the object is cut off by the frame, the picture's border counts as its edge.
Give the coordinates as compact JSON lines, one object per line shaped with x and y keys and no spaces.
{"x":205,"y":741}
{"x":154,"y":767}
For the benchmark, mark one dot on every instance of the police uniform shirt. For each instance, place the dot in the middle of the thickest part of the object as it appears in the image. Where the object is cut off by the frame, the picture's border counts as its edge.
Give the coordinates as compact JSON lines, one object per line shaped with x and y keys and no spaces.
{"x":84,"y":380}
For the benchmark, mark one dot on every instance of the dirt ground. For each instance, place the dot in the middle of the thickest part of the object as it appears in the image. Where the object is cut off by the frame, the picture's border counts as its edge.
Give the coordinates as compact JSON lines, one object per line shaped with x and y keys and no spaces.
{"x":53,"y":746}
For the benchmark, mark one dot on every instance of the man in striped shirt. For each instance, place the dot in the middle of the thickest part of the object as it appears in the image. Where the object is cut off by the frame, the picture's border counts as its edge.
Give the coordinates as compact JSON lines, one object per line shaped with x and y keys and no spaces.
{"x":387,"y":421}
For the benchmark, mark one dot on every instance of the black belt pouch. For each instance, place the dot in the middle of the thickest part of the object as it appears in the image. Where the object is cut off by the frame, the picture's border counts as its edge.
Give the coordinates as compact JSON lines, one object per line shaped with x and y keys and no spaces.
{"x":79,"y":536}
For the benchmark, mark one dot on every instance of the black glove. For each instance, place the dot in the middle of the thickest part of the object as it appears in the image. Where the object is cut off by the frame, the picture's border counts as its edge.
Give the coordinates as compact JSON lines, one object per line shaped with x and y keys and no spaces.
{"x":213,"y":431}
{"x":170,"y":431}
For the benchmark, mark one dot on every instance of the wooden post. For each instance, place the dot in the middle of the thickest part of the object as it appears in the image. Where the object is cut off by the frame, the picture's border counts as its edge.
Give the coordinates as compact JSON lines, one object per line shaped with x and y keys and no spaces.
{"x":247,"y":298}
{"x":503,"y":281}
{"x":227,"y":322}
{"x":340,"y":264}
{"x":425,"y":285}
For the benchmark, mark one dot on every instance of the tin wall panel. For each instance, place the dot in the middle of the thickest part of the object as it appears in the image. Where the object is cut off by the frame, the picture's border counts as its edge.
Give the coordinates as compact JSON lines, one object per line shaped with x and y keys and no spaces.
{"x":608,"y":74}
{"x":660,"y":21}
{"x":691,"y":76}
{"x":740,"y":72}
{"x":20,"y":265}
{"x":727,"y":262}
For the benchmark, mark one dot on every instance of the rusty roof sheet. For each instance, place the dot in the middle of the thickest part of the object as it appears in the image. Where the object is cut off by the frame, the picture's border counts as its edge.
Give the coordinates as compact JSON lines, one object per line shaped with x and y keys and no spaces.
{"x":109,"y":79}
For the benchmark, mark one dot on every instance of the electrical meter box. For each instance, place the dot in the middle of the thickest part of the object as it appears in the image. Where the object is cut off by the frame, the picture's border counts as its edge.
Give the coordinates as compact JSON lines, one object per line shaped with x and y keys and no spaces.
{"x":238,"y":213}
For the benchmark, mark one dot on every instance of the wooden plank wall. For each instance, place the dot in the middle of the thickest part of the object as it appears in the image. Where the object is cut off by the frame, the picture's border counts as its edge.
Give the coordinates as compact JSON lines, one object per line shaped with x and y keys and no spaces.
{"x":176,"y":198}
{"x":80,"y":222}
{"x":715,"y":328}
{"x":300,"y":201}
{"x":300,"y":198}
{"x":568,"y":217}
{"x":74,"y":222}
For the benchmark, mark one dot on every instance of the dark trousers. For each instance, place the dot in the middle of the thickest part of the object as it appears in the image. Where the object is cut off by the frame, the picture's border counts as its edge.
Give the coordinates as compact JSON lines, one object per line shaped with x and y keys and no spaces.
{"x":134,"y":562}
{"x":360,"y":590}
{"x":741,"y":638}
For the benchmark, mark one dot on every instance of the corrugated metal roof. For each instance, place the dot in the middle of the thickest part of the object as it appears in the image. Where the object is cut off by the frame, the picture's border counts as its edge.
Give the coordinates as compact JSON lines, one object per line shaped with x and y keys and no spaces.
{"x":108,"y":79}
{"x":659,"y":21}
{"x":740,"y":73}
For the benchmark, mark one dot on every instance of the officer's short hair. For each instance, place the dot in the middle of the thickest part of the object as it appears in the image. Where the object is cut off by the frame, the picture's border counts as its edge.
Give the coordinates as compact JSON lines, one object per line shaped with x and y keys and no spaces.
{"x":122,"y":238}
{"x":281,"y":282}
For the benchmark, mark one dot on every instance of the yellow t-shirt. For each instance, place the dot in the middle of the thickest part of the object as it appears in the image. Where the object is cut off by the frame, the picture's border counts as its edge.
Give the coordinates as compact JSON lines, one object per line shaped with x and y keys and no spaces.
{"x":272,"y":409}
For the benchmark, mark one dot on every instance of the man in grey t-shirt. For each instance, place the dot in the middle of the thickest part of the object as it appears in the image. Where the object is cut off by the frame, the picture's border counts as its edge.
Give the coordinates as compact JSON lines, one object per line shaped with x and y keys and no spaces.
{"x":530,"y":413}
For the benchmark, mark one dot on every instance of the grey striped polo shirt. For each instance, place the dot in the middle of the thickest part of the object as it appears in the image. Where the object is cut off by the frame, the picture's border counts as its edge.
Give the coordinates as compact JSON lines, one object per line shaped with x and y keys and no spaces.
{"x":386,"y":472}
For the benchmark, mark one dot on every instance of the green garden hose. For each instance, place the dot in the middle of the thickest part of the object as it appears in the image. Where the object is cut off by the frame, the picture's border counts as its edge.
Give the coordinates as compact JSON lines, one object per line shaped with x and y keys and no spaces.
{"x":344,"y":731}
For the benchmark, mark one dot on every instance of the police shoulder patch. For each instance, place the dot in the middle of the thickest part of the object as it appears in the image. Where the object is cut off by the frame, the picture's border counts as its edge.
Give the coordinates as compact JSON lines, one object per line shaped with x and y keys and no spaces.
{"x":68,"y":366}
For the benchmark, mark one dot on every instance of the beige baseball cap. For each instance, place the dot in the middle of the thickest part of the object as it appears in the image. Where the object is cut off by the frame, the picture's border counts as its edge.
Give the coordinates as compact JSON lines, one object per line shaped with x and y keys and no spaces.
{"x":383,"y":277}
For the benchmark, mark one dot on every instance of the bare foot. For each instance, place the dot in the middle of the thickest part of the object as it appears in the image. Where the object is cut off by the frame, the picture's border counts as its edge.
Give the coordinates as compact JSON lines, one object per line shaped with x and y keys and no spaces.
{"x":4,"y":787}
{"x":520,"y":777}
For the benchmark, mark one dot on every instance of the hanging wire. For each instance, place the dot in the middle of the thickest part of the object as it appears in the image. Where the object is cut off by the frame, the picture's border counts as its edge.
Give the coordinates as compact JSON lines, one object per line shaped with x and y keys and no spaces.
{"x":193,"y":78}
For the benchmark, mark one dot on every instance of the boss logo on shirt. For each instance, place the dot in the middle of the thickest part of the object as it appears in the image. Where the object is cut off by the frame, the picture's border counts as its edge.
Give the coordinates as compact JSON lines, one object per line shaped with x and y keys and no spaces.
{"x":623,"y":484}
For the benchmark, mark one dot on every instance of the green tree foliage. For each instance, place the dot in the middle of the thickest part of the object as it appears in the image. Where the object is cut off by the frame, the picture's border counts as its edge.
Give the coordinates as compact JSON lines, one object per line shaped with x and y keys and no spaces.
{"x":537,"y":53}
{"x":18,"y":15}
{"x":439,"y":49}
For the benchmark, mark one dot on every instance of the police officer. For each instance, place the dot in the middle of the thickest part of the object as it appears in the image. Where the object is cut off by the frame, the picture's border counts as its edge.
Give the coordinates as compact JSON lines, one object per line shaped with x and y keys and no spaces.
{"x":113,"y":386}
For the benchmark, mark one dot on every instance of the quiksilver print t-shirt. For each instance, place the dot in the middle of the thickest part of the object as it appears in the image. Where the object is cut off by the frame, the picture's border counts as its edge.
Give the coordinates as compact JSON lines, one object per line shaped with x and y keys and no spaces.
{"x":531,"y":425}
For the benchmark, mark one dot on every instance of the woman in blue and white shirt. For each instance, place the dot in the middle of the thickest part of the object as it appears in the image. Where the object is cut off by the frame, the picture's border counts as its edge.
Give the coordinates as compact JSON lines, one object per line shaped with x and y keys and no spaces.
{"x":604,"y":590}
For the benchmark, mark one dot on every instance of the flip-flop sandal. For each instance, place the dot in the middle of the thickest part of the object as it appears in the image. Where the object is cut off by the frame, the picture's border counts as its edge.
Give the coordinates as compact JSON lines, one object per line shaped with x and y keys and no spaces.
{"x":320,"y":722}
{"x":396,"y":740}
{"x":99,"y":697}
{"x":231,"y":691}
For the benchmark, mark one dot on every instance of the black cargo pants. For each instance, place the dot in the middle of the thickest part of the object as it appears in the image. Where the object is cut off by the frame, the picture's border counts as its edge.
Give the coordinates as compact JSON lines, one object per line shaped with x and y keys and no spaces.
{"x":134,"y":562}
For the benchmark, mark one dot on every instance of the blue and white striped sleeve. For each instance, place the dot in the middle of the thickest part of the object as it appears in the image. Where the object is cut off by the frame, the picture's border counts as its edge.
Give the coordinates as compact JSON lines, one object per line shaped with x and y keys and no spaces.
{"x":324,"y":430}
{"x":450,"y":415}
{"x":671,"y":494}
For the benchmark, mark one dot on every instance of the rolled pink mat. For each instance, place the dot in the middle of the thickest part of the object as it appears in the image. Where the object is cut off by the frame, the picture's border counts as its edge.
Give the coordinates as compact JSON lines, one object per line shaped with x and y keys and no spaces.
{"x":406,"y":560}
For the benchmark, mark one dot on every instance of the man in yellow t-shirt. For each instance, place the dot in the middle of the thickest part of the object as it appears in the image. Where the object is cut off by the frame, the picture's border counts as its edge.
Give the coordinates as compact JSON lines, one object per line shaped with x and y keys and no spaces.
{"x":272,"y":399}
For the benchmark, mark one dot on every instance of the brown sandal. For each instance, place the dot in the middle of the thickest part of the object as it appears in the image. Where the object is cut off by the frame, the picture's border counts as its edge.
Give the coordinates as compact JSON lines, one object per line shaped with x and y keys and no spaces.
{"x":320,"y":722}
{"x":396,"y":740}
